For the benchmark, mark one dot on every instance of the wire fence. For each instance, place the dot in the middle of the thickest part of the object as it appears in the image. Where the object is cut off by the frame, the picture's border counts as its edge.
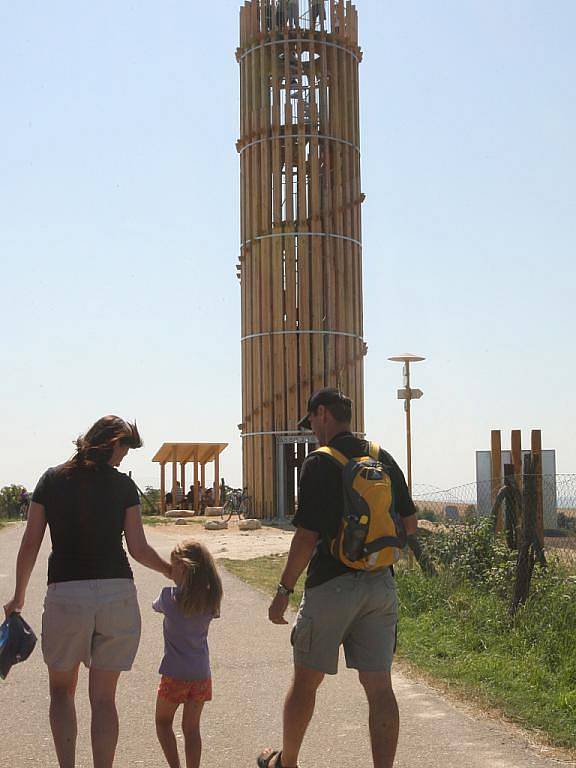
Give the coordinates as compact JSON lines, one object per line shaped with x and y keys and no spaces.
{"x":555,"y":502}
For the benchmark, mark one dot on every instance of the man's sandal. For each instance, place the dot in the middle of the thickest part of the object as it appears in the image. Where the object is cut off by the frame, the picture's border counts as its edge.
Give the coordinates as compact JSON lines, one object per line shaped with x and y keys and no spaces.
{"x":263,"y":760}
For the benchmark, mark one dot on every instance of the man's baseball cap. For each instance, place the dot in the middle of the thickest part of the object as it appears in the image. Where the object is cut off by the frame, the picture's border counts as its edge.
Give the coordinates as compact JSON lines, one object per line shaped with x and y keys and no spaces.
{"x":325,"y":396}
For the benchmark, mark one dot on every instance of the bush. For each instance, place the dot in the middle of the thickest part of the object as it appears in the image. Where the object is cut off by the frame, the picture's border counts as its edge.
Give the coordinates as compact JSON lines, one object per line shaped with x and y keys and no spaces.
{"x":10,"y":500}
{"x":471,"y":552}
{"x":428,"y":514}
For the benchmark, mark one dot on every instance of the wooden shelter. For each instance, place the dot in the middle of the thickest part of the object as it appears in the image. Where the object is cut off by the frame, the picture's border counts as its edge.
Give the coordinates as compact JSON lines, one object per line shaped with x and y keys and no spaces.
{"x":301,"y":245}
{"x":181,"y":454}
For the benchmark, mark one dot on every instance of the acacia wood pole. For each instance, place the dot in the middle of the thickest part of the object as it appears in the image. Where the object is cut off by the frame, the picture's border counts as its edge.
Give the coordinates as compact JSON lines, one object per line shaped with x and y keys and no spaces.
{"x":203,"y":477}
{"x":217,"y":480}
{"x":300,"y":224}
{"x":516,"y":446}
{"x":183,"y":481}
{"x":163,"y":488}
{"x":174,"y":475}
{"x":496,"y":466}
{"x":196,"y":499}
{"x":536,"y":448}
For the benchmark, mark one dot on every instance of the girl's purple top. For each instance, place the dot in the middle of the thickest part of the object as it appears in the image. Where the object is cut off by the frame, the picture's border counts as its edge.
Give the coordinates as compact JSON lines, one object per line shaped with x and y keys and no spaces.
{"x":186,"y":654}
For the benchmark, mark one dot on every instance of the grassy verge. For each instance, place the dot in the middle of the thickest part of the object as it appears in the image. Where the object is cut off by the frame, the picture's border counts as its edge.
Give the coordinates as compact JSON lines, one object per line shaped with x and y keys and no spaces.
{"x":264,"y":573}
{"x":161,"y":520}
{"x":461,"y":635}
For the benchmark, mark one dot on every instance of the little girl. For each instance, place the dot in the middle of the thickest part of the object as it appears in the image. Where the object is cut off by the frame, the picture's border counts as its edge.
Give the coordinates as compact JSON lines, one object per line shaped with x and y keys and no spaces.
{"x":188,"y":610}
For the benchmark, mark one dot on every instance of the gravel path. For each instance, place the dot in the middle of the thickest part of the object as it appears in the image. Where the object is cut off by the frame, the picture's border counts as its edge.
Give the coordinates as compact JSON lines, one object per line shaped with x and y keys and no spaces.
{"x":251,"y":667}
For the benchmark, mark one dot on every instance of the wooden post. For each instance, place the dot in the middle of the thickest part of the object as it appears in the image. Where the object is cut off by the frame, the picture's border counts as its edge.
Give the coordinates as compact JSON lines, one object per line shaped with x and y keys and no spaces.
{"x":203,"y":477}
{"x":174,"y":476}
{"x":516,"y":445}
{"x":536,"y":449}
{"x":163,"y":488}
{"x":217,"y":480}
{"x":196,"y":499}
{"x":496,"y":466}
{"x":183,"y":482}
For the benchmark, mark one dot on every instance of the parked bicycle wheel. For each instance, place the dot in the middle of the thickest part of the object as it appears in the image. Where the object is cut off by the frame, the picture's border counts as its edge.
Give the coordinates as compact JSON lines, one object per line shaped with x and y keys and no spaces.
{"x":229,"y":509}
{"x":245,"y":507}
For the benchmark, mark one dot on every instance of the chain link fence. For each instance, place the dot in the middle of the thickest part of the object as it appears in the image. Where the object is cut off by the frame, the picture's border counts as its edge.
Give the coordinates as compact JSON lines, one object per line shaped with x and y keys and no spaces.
{"x":555,"y":506}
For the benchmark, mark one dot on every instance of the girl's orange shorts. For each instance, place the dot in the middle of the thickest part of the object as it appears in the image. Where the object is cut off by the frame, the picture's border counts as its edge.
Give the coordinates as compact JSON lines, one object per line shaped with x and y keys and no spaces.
{"x":181,"y":691}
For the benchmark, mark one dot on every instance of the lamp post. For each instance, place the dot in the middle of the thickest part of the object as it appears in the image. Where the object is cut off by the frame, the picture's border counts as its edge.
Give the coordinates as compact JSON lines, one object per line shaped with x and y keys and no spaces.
{"x":407,"y":394}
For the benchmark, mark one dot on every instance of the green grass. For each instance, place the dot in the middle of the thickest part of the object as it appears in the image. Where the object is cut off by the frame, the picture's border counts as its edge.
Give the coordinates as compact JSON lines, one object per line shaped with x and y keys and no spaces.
{"x":264,"y":574}
{"x":5,"y":521}
{"x":463,"y":637}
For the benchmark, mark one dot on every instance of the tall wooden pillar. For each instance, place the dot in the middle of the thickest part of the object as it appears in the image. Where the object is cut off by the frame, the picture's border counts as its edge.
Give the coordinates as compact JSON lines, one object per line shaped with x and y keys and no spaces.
{"x":174,"y":477}
{"x":301,"y":244}
{"x":496,"y":466}
{"x":163,"y":488}
{"x":183,"y":478}
{"x":516,"y":445}
{"x":536,"y":449}
{"x":217,"y":480}
{"x":196,"y":499}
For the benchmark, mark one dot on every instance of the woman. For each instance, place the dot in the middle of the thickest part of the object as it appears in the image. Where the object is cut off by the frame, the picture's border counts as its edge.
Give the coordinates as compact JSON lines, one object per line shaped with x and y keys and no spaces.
{"x":91,"y":611}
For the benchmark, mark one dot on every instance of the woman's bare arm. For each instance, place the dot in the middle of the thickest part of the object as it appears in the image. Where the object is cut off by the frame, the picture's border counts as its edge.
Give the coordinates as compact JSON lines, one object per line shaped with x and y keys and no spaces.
{"x":137,"y":545}
{"x":27,"y":554}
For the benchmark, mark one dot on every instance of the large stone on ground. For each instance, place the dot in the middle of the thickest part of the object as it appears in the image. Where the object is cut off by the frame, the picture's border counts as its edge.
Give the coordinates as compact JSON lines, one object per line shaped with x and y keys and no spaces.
{"x":215,"y":525}
{"x":179,"y":513}
{"x":252,"y":524}
{"x":213,"y":511}
{"x":181,"y":521}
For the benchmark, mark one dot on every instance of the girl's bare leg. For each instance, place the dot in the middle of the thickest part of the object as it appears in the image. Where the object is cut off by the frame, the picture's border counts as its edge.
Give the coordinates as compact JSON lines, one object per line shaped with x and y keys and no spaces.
{"x":191,"y":730}
{"x":165,"y":711}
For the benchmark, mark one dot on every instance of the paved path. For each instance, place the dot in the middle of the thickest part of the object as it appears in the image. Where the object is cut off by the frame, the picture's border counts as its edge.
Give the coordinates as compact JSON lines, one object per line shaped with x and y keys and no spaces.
{"x":245,"y":713}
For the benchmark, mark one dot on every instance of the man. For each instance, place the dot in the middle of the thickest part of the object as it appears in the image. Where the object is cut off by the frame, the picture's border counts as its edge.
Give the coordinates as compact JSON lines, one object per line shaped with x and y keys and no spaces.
{"x":341,"y":606}
{"x":316,"y":13}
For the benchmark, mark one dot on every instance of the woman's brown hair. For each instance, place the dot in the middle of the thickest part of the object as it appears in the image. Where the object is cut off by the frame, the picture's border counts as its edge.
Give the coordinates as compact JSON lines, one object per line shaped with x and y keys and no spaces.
{"x":201,"y":590}
{"x":94,"y":449}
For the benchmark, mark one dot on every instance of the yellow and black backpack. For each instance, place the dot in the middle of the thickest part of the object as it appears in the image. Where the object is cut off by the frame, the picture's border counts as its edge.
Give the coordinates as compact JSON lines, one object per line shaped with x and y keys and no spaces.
{"x":371,"y":534}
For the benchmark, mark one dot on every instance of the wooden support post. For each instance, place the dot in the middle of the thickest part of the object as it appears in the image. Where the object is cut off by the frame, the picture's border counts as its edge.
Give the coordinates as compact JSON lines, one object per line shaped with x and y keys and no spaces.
{"x":183,"y":482}
{"x":203,"y":477}
{"x":536,"y":449}
{"x":163,"y":488}
{"x":174,"y":476}
{"x":217,"y":480}
{"x":196,"y":499}
{"x":516,"y":445}
{"x":496,"y":466}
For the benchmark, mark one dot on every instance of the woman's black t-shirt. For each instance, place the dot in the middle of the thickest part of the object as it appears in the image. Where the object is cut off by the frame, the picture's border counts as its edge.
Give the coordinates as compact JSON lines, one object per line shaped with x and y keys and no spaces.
{"x":85,"y":513}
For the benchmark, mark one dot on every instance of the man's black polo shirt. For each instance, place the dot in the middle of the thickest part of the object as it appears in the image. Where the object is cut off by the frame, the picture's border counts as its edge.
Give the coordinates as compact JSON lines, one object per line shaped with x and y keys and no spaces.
{"x":320,"y":501}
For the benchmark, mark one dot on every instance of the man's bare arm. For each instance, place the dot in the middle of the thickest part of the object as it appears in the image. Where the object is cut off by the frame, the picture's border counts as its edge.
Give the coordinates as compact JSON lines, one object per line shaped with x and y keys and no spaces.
{"x":410,"y":524}
{"x":301,"y":551}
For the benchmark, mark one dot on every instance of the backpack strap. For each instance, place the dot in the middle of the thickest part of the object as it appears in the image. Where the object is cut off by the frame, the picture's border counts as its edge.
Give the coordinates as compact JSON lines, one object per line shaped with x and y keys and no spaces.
{"x":333,"y":454}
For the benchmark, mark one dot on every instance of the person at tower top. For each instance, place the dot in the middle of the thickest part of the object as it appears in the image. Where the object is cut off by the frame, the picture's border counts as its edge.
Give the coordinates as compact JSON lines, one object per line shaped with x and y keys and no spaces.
{"x":287,"y":13}
{"x":317,"y":12}
{"x":349,"y":595}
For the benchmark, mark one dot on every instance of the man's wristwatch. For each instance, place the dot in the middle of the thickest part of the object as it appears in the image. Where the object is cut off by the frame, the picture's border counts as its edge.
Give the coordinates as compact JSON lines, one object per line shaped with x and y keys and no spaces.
{"x":284,"y":590}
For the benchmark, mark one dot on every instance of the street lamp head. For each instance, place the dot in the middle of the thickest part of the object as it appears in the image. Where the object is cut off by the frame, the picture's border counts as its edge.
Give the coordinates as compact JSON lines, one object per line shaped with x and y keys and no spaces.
{"x":406,"y":357}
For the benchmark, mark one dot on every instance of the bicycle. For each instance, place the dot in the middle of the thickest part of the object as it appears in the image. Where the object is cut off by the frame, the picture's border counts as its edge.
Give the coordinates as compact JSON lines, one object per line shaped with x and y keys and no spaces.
{"x":238,"y":503}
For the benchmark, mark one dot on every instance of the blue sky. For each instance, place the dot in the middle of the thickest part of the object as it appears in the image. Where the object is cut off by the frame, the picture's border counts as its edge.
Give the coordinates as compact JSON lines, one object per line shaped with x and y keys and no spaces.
{"x":119,"y":226}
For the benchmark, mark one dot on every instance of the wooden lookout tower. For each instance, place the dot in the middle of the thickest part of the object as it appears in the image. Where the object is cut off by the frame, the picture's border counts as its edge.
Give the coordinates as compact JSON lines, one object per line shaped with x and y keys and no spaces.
{"x":301,"y":245}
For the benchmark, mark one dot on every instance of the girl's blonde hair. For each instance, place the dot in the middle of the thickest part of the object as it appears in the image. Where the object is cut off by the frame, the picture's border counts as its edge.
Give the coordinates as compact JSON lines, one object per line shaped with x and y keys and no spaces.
{"x":201,"y":589}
